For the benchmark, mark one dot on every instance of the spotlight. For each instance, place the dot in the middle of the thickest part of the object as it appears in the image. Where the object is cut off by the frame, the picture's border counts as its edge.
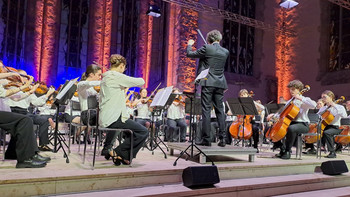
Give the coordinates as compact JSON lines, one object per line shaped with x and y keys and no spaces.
{"x":288,"y":3}
{"x":153,"y":11}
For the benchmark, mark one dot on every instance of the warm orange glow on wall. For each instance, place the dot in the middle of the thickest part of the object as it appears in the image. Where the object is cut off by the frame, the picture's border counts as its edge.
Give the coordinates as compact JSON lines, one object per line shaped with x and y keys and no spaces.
{"x":49,"y":42}
{"x":39,"y":9}
{"x":285,"y":51}
{"x":100,"y":31}
{"x":149,"y":50}
{"x":173,"y":45}
{"x":187,"y":66}
{"x":45,"y":39}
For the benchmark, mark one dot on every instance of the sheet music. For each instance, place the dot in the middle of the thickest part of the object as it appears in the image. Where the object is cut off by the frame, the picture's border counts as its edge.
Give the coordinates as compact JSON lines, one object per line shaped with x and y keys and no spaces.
{"x":161,"y":97}
{"x":203,"y":74}
{"x":66,"y":88}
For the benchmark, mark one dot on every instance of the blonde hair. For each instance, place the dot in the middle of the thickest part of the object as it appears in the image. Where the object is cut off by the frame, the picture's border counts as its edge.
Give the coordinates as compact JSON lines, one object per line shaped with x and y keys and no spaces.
{"x":243,"y":91}
{"x":330,"y":94}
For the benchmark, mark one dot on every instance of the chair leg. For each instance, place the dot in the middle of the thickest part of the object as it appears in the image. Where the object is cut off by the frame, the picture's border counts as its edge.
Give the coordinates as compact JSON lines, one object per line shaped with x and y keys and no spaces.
{"x":299,"y":147}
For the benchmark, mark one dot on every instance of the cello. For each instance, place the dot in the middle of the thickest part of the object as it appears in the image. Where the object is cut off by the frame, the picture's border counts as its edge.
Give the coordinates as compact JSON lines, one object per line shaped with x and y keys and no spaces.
{"x":242,"y":127}
{"x":327,"y":118}
{"x":344,"y":137}
{"x":283,"y":119}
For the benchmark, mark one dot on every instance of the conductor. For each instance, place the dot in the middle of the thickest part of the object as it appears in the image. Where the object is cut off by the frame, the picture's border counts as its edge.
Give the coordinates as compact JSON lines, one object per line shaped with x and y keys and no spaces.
{"x":211,"y":56}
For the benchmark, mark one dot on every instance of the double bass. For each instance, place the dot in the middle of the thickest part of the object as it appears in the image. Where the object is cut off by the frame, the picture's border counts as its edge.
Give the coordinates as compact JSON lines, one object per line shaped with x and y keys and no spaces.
{"x":283,"y":119}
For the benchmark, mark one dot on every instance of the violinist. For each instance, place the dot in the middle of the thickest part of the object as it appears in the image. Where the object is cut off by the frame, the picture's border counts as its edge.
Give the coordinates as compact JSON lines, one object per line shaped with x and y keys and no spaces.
{"x":300,"y":124}
{"x":85,"y":88}
{"x":24,"y":148}
{"x":21,"y":102}
{"x":143,"y":110}
{"x":113,"y":109}
{"x":338,"y":111}
{"x":176,"y":118}
{"x":256,"y":124}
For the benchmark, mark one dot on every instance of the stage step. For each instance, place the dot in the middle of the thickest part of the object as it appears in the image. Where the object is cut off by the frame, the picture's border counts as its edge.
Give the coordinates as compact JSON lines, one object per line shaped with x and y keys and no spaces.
{"x":267,"y":186}
{"x":342,"y":191}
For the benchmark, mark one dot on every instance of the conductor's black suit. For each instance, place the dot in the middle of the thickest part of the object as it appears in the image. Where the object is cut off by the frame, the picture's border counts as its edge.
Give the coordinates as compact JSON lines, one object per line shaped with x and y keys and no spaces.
{"x":211,"y":56}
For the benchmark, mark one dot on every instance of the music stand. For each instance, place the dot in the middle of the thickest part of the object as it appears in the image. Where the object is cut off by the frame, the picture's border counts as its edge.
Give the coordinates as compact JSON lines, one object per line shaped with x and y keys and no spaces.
{"x":242,"y":106}
{"x":162,"y":100}
{"x":66,"y":92}
{"x":188,"y":103}
{"x":201,"y":76}
{"x":273,"y":107}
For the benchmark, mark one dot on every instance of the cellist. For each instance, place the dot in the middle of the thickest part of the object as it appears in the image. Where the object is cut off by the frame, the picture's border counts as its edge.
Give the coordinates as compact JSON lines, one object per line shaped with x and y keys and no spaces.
{"x":300,"y":124}
{"x":256,"y":126}
{"x":338,"y":111}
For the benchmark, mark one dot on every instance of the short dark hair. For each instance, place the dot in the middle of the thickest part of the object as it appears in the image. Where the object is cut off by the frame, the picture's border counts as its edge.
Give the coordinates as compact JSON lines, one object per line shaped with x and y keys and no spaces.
{"x":213,"y":36}
{"x":296,"y":84}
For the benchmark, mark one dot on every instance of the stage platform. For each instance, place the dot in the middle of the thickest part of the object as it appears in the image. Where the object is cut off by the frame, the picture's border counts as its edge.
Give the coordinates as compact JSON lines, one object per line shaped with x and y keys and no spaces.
{"x":213,"y":150}
{"x":154,"y":171}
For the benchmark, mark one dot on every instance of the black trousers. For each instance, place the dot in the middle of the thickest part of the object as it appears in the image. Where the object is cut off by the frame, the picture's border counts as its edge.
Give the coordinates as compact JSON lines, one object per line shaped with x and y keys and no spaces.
{"x":256,"y":127}
{"x":140,"y":136}
{"x":328,"y":135}
{"x":21,"y":129}
{"x":294,"y":129}
{"x":42,"y":121}
{"x":212,"y":97}
{"x":172,"y":132}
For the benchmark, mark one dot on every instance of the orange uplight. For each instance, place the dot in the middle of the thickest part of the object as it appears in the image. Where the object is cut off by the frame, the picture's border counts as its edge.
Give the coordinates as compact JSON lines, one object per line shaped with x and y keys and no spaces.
{"x":39,"y":9}
{"x":101,"y":32}
{"x":149,"y":50}
{"x":187,"y":66}
{"x":285,"y":51}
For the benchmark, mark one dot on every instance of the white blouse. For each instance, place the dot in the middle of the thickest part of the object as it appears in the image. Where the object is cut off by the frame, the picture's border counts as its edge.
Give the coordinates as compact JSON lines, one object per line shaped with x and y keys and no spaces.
{"x":86,"y":89}
{"x":112,"y":96}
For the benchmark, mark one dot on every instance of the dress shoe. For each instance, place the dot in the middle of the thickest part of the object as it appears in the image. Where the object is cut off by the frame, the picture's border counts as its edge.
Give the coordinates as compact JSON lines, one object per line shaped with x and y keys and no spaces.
{"x":40,"y":158}
{"x":44,"y":148}
{"x":280,"y":154}
{"x":331,"y":155}
{"x":105,"y":153}
{"x":222,"y":143}
{"x":286,"y":155}
{"x":204,"y":143}
{"x":310,"y":152}
{"x":30,"y":163}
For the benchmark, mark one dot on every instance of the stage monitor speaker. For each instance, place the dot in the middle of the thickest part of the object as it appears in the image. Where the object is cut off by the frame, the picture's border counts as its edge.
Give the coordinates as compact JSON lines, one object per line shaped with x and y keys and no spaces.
{"x":200,"y":176}
{"x":334,"y":167}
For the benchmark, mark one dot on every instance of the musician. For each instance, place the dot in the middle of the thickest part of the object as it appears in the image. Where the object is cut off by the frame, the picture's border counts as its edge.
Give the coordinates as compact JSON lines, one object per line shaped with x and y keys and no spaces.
{"x":211,"y":56}
{"x":311,"y":146}
{"x":176,"y":118}
{"x":300,"y":124}
{"x":143,"y":110}
{"x":90,"y":79}
{"x":256,"y":125}
{"x":20,"y":127}
{"x":113,"y":112}
{"x":20,"y":103}
{"x":338,"y":111}
{"x":347,"y":106}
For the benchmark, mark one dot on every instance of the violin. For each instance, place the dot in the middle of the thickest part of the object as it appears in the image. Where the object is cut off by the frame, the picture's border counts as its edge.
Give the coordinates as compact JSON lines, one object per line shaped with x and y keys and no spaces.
{"x":285,"y":116}
{"x":179,"y":100}
{"x":97,"y":88}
